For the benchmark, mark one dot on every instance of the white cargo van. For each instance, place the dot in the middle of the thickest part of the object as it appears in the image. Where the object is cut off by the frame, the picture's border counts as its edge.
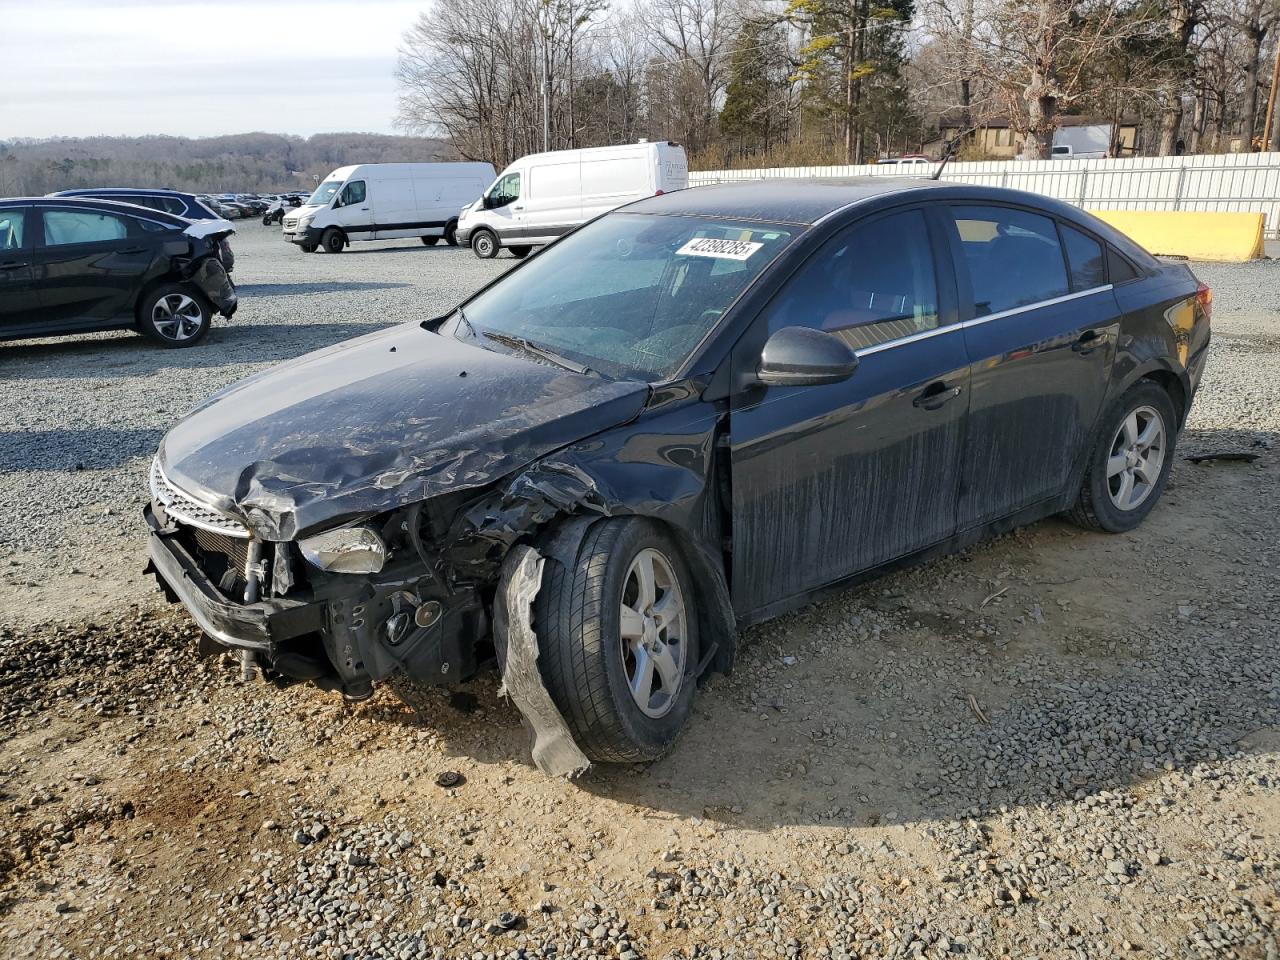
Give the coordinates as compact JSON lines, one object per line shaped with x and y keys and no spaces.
{"x":385,"y":201}
{"x":545,"y":195}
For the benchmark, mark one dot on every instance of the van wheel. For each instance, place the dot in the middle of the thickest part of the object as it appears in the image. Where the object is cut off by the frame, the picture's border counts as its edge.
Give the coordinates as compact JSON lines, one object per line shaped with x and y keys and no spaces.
{"x":520,"y":252}
{"x":333,"y":241}
{"x":307,"y":247}
{"x":430,"y":241}
{"x":618,"y":641}
{"x":451,"y":233}
{"x":484,"y":244}
{"x":175,"y":315}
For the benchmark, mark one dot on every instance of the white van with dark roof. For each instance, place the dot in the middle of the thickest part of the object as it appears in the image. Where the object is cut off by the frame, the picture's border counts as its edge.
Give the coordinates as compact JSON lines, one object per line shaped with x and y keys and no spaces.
{"x":386,"y":201}
{"x":543,"y":196}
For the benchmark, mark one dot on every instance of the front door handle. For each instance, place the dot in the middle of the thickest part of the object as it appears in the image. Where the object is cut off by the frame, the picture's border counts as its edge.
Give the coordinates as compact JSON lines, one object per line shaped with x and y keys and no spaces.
{"x":518,"y":206}
{"x":1089,"y":341}
{"x":12,"y":265}
{"x":935,"y":395}
{"x":134,"y":250}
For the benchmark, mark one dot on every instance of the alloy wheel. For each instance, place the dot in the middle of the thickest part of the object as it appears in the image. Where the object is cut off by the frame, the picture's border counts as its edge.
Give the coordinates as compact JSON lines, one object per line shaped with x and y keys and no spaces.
{"x":653,"y":628}
{"x":177,"y":317}
{"x":1136,"y":458}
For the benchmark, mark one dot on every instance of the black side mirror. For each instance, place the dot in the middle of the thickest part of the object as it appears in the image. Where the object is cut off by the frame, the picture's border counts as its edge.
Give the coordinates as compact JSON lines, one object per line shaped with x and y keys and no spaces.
{"x":804,"y":357}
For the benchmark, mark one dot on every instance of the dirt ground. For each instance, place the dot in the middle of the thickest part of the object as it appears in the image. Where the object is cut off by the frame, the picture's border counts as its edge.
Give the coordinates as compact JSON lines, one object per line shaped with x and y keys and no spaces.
{"x":1054,"y":744}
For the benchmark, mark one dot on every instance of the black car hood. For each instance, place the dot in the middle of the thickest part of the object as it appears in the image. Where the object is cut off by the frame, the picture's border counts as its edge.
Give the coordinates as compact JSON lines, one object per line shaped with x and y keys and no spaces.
{"x":378,"y":422}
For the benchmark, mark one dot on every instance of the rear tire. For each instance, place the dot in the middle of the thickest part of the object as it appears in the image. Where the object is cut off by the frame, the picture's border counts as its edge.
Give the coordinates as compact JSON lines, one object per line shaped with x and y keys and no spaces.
{"x":1130,"y":462}
{"x":430,"y":241}
{"x":520,"y":252}
{"x":626,"y":699}
{"x":451,"y":233}
{"x":484,"y":244}
{"x":175,"y":315}
{"x":333,"y":241}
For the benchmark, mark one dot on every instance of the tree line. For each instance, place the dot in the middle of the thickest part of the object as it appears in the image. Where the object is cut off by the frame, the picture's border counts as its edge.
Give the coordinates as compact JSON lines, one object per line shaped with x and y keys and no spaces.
{"x":769,"y":82}
{"x":242,"y":163}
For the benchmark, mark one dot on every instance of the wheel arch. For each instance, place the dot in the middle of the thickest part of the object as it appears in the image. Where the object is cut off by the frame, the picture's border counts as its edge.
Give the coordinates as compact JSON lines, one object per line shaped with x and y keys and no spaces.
{"x":150,"y":286}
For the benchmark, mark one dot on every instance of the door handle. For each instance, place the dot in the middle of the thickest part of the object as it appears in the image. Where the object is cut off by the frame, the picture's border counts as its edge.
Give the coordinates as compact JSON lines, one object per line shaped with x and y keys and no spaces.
{"x":518,"y":206}
{"x":134,"y":250}
{"x":935,"y":395}
{"x":12,"y":265}
{"x":1089,"y":341}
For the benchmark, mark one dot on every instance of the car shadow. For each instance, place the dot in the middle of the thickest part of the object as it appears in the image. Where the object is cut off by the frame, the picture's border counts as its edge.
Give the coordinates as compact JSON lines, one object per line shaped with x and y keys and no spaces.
{"x":90,"y":448}
{"x":128,"y":354}
{"x":1014,"y":673}
{"x":305,"y":289}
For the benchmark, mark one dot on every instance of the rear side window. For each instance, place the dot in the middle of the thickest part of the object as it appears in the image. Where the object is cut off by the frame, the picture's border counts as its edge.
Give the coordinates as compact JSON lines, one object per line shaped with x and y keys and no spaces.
{"x":63,"y":227}
{"x":1013,"y":257}
{"x":11,"y":229}
{"x":1122,"y":271}
{"x":870,"y":284}
{"x":1085,"y":258}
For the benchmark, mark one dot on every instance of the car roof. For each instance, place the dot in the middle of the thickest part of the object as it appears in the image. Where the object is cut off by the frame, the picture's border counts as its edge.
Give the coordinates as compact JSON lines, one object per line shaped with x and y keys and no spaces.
{"x":144,"y":191}
{"x":779,"y":201}
{"x":95,"y":203}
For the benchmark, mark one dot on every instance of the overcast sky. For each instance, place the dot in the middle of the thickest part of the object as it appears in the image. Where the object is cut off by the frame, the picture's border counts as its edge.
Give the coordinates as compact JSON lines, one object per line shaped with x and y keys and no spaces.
{"x":199,"y":68}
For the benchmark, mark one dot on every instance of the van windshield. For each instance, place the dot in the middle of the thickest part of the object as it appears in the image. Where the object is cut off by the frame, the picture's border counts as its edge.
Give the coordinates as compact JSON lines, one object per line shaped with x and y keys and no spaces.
{"x":629,"y":295}
{"x":325,"y":192}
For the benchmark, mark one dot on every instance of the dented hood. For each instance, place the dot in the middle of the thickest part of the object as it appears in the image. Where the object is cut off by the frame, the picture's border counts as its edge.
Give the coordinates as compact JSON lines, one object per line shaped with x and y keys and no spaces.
{"x":378,"y":422}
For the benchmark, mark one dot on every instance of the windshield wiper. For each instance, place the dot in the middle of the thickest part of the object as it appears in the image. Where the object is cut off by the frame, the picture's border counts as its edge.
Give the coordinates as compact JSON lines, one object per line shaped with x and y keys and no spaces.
{"x":520,"y":343}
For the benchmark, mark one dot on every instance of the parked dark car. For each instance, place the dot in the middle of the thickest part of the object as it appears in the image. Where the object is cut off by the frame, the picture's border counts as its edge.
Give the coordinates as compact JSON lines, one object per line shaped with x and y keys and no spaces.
{"x":74,"y":265}
{"x":694,"y":413}
{"x":184,"y":205}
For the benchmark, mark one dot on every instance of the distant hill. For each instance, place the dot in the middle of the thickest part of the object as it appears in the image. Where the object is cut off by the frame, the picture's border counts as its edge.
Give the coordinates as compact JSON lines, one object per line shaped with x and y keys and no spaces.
{"x":241,"y":163}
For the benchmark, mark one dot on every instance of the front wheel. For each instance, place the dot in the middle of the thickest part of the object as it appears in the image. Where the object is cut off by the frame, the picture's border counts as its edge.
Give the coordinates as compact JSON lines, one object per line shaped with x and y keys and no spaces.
{"x":430,"y":241}
{"x":1130,"y":461}
{"x":619,"y":642}
{"x":520,"y":252}
{"x":333,"y":241}
{"x":484,"y":244}
{"x":175,"y":315}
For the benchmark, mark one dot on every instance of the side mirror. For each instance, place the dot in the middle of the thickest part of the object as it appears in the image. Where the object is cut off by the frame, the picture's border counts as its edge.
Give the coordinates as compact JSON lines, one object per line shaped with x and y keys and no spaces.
{"x":488,"y":202}
{"x":804,"y":357}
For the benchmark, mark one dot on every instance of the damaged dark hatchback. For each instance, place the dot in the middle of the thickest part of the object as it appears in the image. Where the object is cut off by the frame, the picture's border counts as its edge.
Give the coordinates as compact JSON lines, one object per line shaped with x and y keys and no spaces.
{"x":693,"y":413}
{"x":73,"y":265}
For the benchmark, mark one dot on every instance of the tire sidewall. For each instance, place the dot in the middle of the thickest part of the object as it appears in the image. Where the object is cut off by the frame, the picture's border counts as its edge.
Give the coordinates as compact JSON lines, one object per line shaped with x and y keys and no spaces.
{"x":483,"y":241}
{"x":333,"y":241}
{"x":1143,"y":394}
{"x":653,"y":735}
{"x":147,"y":325}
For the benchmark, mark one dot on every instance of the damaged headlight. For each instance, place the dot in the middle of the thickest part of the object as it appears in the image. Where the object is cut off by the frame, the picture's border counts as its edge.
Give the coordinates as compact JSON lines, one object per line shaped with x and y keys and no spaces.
{"x":346,"y":550}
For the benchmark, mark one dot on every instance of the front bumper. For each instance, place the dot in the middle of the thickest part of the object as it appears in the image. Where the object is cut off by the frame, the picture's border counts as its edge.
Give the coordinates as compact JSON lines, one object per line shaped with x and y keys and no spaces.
{"x":308,"y":236}
{"x":462,"y":233}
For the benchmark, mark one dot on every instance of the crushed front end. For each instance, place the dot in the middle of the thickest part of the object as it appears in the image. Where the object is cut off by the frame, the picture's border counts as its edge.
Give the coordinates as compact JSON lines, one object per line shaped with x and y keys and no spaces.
{"x":269,"y":604}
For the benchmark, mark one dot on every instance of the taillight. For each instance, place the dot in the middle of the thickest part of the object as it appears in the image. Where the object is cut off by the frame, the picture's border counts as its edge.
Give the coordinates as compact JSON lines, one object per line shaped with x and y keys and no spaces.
{"x":658,"y":194}
{"x":1204,"y":297}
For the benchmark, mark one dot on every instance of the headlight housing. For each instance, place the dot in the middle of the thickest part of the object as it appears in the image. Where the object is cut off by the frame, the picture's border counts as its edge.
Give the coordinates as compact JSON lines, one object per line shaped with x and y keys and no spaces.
{"x":345,"y":550}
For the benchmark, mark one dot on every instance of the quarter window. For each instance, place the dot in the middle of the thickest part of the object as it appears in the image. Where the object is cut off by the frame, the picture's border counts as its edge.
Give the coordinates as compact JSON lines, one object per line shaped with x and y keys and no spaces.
{"x":873,"y":283}
{"x":1084,"y":256}
{"x":1013,"y":257}
{"x":63,"y":227}
{"x":11,"y":229}
{"x":1122,"y":271}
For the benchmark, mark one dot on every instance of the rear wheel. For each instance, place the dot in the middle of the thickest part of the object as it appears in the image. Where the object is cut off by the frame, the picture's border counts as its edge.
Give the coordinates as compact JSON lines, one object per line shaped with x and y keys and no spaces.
{"x":618,"y":641}
{"x":175,"y":315}
{"x":1130,"y":461}
{"x":520,"y":252}
{"x":484,"y":244}
{"x":450,"y":233}
{"x":333,"y":241}
{"x":430,"y":241}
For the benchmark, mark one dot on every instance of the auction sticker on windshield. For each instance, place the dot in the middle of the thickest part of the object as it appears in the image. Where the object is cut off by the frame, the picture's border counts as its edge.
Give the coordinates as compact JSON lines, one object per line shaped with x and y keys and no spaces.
{"x":720,"y":249}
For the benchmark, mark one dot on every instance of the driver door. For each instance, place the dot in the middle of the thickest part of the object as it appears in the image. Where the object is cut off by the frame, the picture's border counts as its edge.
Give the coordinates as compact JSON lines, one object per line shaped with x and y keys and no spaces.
{"x":353,"y":211}
{"x":831,"y":480}
{"x":505,"y":208}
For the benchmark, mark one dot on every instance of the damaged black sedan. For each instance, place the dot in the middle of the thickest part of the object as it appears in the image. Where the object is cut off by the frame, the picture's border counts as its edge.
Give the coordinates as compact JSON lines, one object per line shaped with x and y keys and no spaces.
{"x":76,"y":265}
{"x":692,"y":414}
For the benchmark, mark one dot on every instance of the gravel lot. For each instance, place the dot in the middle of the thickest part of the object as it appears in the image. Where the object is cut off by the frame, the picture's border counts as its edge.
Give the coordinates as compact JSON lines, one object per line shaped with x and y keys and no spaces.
{"x":1055,"y":744}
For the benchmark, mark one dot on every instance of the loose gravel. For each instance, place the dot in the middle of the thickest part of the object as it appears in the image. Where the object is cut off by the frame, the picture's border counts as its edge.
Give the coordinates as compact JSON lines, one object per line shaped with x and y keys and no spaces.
{"x":1056,"y":744}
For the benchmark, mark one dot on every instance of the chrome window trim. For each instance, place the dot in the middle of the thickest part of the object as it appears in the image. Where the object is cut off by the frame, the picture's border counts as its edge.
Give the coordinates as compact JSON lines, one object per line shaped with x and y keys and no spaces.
{"x":976,"y":321}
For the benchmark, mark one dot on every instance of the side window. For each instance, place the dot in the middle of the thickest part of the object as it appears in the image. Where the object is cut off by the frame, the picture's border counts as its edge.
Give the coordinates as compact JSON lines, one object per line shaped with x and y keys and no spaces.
{"x":870,"y":284}
{"x":505,"y":191}
{"x":1122,"y":271}
{"x":1013,"y":257}
{"x":353,"y":192}
{"x":173,"y":205}
{"x":1084,"y":257}
{"x":12,"y":221}
{"x":82,"y":226}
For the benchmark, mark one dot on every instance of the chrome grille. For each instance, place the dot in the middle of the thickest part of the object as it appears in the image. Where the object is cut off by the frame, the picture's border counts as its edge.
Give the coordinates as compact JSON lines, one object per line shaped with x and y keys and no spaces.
{"x":291,"y":223}
{"x":183,"y":508}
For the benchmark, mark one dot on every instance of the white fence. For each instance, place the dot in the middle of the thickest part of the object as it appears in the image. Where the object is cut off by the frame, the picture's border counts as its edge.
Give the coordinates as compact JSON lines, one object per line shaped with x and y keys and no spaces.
{"x":1232,"y":182}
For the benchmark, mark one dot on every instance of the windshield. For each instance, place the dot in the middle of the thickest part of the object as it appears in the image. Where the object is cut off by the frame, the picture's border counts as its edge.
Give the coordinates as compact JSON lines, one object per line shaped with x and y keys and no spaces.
{"x":325,"y":192}
{"x":629,"y":295}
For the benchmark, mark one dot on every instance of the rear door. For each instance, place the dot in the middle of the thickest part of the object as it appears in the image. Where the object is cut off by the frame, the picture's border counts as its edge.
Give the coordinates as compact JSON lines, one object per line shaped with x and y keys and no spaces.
{"x":19,"y":301}
{"x":1041,"y":334}
{"x":90,"y":264}
{"x":831,"y":480}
